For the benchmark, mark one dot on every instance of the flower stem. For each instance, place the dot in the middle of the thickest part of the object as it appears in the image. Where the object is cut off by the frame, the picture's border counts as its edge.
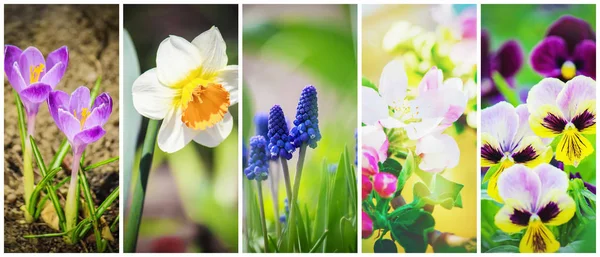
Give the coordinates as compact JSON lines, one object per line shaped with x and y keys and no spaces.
{"x":294,"y":200}
{"x":262,"y":214}
{"x":139,"y":189}
{"x":72,"y":202}
{"x":274,"y":179}
{"x":286,"y":178}
{"x":28,"y":178}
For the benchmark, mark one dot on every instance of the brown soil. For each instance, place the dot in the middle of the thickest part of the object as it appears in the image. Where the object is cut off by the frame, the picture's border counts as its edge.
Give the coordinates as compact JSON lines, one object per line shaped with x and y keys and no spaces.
{"x":91,"y":33}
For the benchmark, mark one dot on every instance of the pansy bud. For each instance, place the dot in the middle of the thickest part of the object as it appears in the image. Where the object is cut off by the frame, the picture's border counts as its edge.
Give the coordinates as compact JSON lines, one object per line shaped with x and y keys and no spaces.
{"x":367,"y":226}
{"x":385,"y":184}
{"x":367,"y":186}
{"x":306,"y":124}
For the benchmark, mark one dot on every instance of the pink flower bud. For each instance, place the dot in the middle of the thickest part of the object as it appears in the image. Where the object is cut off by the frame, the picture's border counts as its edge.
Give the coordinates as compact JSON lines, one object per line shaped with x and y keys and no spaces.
{"x":367,"y":225}
{"x":385,"y":184}
{"x":367,"y":186}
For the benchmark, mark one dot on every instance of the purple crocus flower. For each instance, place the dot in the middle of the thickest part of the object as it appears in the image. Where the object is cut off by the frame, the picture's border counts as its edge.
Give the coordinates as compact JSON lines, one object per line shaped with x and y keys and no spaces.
{"x":507,"y":61}
{"x":568,"y":50}
{"x":32,"y":76}
{"x":81,"y":125}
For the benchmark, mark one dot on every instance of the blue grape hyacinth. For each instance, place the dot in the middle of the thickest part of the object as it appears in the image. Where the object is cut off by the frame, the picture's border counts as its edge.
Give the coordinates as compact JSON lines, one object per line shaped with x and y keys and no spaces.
{"x":258,"y":162}
{"x":279,"y":138}
{"x":261,"y":121}
{"x":306,"y":124}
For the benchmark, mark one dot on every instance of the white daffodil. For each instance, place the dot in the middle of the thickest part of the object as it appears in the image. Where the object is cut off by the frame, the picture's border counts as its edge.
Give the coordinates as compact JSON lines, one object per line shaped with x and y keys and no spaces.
{"x":190,"y":89}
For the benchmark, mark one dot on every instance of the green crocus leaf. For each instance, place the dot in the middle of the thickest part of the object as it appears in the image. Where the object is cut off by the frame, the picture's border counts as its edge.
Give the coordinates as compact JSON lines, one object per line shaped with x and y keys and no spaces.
{"x":385,"y":246}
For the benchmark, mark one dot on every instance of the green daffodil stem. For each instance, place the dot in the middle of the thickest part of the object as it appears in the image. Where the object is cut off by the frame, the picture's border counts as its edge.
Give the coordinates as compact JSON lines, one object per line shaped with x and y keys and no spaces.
{"x":262,"y":214}
{"x":72,"y":202}
{"x":286,"y":178}
{"x":294,"y":200}
{"x":139,"y":188}
{"x":28,"y":178}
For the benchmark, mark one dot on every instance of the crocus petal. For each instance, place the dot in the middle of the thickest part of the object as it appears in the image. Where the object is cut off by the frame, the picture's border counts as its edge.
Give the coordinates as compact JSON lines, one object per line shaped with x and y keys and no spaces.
{"x":176,"y":60}
{"x":57,"y":100}
{"x":213,"y":136}
{"x":80,"y":98}
{"x":151,"y":98}
{"x":36,"y":93}
{"x":212,"y":49}
{"x":538,"y":239}
{"x":374,"y":107}
{"x":577,"y":91}
{"x":15,"y":78}
{"x":573,"y":30}
{"x":11,"y":67}
{"x":228,"y":77}
{"x":500,"y":121}
{"x":53,"y":76}
{"x":393,"y":83}
{"x":58,"y":56}
{"x":68,"y":124}
{"x":431,"y":81}
{"x":543,"y":93}
{"x":521,"y":187}
{"x":173,"y":134}
{"x":438,"y":152}
{"x":29,"y":59}
{"x":509,"y":59}
{"x":89,"y":136}
{"x":546,"y":55}
{"x":585,"y":57}
{"x":100,"y":112}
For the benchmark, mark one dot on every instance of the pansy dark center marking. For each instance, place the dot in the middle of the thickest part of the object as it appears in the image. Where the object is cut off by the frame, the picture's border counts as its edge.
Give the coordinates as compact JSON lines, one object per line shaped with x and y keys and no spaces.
{"x":572,"y":144}
{"x":548,"y":212}
{"x":554,"y":123}
{"x":525,"y":155}
{"x":539,"y":236}
{"x":490,"y":153}
{"x":584,"y":120}
{"x":519,"y":217}
{"x":568,"y":70}
{"x":34,"y":73}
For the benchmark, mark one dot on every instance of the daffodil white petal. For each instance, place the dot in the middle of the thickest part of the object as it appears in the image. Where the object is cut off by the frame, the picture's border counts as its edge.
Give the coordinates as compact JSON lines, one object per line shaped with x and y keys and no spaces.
{"x":176,"y":59}
{"x":393,"y":83}
{"x":228,"y":77}
{"x":213,"y":136}
{"x":212,"y":50}
{"x":151,"y":98}
{"x":173,"y":134}
{"x":374,"y":107}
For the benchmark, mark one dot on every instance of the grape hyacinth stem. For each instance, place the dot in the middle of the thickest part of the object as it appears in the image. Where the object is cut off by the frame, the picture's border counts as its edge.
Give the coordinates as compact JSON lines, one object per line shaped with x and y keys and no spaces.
{"x":294,"y":201}
{"x":286,"y":177}
{"x":72,"y":202}
{"x":262,"y":214}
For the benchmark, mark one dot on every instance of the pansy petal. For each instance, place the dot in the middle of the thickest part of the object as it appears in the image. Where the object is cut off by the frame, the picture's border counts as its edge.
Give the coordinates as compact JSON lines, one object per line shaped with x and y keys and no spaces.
{"x":544,"y":93}
{"x":438,"y":151}
{"x":173,"y":134}
{"x":57,"y":100}
{"x":547,"y":121}
{"x":492,"y":189}
{"x":552,"y":178}
{"x":213,"y":136}
{"x":53,"y":76}
{"x":585,"y":117}
{"x":501,"y":122}
{"x":68,"y":124}
{"x":228,"y":77}
{"x":393,"y":83}
{"x":545,"y":56}
{"x":577,"y":91}
{"x":558,"y":209}
{"x":510,"y":220}
{"x":538,"y":239}
{"x":523,"y":130}
{"x":80,"y":98}
{"x":573,"y":147}
{"x":573,"y":30}
{"x":431,"y":81}
{"x":31,"y":59}
{"x":374,"y":107}
{"x":585,"y":57}
{"x":531,"y":151}
{"x":509,"y":58}
{"x":176,"y":60}
{"x":212,"y":49}
{"x":491,"y":153}
{"x":151,"y":98}
{"x":56,"y":57}
{"x":521,"y":185}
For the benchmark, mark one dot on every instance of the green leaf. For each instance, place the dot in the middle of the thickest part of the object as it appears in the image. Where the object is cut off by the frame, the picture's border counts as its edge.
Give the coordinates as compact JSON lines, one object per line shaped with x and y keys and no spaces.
{"x":100,"y":163}
{"x":443,"y":192}
{"x":367,"y":83}
{"x":504,"y":249}
{"x":509,"y":93}
{"x":413,"y":237}
{"x":489,"y":173}
{"x":21,"y":120}
{"x":391,"y":166}
{"x":500,"y":237}
{"x":385,"y":246}
{"x":319,"y":242}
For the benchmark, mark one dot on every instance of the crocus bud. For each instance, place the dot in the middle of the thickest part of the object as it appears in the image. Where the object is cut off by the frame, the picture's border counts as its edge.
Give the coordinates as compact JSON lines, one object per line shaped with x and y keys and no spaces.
{"x":367,"y":226}
{"x":385,"y":184}
{"x":367,"y":186}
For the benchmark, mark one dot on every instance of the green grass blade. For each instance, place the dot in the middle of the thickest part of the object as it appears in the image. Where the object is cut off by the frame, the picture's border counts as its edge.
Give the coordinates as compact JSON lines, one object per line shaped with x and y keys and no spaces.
{"x":95,"y":90}
{"x":319,"y":242}
{"x":42,"y":202}
{"x":63,"y":149}
{"x":87,"y":193}
{"x":21,"y":123}
{"x":115,"y":224}
{"x":101,"y":163}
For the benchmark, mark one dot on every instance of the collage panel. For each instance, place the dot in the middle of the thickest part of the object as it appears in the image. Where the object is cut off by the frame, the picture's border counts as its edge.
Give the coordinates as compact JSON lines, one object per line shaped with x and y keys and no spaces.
{"x":180,"y":150}
{"x":61,"y":128}
{"x":299,"y":129}
{"x":538,"y":128}
{"x":419,"y":129}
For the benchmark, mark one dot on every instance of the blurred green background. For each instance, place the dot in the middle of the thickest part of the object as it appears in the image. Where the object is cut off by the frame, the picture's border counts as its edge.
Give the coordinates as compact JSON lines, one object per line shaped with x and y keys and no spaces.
{"x":287,"y":47}
{"x":191,"y":200}
{"x":527,"y":24}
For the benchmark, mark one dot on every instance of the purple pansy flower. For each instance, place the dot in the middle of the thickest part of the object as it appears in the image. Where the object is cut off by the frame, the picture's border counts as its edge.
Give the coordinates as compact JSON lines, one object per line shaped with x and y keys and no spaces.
{"x":507,"y":61}
{"x":568,"y":50}
{"x":81,"y":124}
{"x":32,"y":76}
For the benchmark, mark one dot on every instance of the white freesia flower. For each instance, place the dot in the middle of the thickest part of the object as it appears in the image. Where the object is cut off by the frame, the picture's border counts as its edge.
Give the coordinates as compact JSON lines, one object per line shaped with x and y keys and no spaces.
{"x":190,"y":89}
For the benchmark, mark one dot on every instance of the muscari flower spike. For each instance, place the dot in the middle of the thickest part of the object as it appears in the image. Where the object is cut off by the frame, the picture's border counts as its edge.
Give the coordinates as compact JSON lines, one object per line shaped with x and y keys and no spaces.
{"x":306,"y":124}
{"x":535,"y":198}
{"x":258,"y":165}
{"x":279,"y":139}
{"x":261,"y":121}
